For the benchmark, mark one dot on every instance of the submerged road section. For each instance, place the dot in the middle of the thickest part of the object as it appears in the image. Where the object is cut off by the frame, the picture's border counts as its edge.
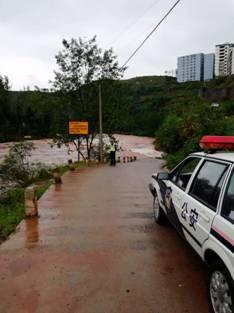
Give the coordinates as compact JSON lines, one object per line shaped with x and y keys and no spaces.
{"x":96,"y":249}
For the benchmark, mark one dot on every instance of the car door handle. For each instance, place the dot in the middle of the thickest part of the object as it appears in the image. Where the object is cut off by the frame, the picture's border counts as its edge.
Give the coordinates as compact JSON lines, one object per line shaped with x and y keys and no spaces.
{"x":204,"y":217}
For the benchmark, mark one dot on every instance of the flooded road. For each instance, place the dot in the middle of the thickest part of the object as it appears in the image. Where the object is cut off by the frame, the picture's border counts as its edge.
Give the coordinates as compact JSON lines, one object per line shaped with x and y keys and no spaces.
{"x":128,"y":145}
{"x":96,"y":249}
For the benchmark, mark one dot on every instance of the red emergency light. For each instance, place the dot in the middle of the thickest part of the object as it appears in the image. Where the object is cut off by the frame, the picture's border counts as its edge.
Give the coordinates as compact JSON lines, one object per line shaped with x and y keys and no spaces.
{"x":217,"y":142}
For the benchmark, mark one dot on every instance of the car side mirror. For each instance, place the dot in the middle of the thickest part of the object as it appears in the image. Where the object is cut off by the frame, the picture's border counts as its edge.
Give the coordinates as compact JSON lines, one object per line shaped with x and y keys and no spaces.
{"x":163,"y":176}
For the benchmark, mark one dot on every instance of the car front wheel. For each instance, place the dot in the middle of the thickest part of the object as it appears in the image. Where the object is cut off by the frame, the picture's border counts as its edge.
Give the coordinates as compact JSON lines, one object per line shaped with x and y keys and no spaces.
{"x":159,"y":215}
{"x":221,"y":290}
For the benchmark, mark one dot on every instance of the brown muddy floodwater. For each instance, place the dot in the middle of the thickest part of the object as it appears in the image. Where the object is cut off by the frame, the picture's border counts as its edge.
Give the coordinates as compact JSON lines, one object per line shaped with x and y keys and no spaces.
{"x":129,"y":145}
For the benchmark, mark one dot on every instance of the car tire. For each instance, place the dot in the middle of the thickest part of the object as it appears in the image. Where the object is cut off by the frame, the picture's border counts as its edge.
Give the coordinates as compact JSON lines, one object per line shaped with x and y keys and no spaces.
{"x":159,"y":215}
{"x":221,"y":289}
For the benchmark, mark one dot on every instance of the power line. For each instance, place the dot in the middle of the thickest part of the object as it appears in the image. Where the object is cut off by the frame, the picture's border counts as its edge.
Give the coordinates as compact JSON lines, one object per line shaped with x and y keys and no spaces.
{"x":130,"y":25}
{"x":151,"y":33}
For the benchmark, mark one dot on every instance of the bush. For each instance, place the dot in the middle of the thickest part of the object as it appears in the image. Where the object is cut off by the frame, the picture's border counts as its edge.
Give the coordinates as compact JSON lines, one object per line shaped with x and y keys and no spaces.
{"x":169,"y":134}
{"x":11,"y":211}
{"x":16,"y":168}
{"x":180,"y":133}
{"x":13,"y":197}
{"x":44,"y":174}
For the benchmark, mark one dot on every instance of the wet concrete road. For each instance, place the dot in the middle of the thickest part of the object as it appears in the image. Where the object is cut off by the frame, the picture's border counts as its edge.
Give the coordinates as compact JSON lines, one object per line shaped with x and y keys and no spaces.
{"x":96,"y":249}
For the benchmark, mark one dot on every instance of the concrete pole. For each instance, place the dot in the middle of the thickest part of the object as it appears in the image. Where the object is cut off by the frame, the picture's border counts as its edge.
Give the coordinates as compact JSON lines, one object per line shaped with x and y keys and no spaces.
{"x":78,"y":148}
{"x":100,"y":123}
{"x":30,"y":201}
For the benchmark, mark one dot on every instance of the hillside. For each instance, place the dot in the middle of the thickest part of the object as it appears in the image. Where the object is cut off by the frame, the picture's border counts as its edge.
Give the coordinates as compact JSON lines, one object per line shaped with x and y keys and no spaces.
{"x":179,"y":114}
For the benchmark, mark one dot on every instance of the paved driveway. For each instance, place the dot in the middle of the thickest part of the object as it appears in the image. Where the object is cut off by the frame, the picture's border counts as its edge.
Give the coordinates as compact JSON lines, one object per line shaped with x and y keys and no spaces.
{"x":96,"y":249}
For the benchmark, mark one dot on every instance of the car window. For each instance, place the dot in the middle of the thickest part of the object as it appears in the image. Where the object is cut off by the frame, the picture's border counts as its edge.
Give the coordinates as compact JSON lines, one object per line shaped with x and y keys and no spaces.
{"x":228,"y":201}
{"x":208,"y":183}
{"x":182,"y":175}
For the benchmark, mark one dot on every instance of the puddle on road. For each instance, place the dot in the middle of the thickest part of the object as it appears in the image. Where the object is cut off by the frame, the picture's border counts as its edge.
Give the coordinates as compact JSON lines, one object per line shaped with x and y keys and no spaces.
{"x":32,"y":236}
{"x":32,"y":231}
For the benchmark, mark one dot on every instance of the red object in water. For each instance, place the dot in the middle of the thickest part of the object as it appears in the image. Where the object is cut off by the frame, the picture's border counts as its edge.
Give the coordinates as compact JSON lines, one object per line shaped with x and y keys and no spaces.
{"x":217,"y":142}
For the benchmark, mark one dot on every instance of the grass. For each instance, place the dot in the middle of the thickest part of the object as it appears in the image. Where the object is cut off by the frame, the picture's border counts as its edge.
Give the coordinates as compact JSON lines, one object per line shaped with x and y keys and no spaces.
{"x":42,"y":187}
{"x":12,"y":209}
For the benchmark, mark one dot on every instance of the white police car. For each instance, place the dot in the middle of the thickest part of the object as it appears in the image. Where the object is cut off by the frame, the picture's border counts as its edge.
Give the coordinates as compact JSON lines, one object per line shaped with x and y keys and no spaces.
{"x":197,"y":197}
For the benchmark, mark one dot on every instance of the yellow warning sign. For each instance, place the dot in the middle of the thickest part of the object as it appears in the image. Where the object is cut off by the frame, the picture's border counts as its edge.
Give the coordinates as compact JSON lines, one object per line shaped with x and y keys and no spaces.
{"x":78,"y":128}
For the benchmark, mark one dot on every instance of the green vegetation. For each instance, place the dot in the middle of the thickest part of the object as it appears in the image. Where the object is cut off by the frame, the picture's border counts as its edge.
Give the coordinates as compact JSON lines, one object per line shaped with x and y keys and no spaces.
{"x":11,"y":211}
{"x":16,"y":168}
{"x":83,"y":68}
{"x":180,"y":132}
{"x":187,"y":118}
{"x":16,"y":172}
{"x":42,"y":188}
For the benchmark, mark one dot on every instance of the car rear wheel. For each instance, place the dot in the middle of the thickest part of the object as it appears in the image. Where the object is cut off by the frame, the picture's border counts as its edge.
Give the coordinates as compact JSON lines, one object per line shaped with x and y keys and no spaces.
{"x":221,"y":290}
{"x":159,"y":215}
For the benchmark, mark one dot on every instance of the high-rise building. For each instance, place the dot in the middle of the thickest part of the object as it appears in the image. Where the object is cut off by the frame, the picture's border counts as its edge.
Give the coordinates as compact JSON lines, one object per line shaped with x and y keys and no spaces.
{"x":189,"y":68}
{"x":195,"y":67}
{"x":209,"y":65}
{"x":224,"y":59}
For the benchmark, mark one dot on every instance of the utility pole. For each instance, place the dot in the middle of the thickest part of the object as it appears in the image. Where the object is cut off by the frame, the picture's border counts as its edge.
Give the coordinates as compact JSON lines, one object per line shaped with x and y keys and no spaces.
{"x":78,"y":148}
{"x":100,"y":123}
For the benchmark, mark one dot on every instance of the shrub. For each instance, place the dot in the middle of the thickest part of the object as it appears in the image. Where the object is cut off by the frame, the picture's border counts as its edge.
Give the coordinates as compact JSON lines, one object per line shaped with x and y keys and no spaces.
{"x":12,"y":197}
{"x":169,"y":134}
{"x":16,"y":168}
{"x":180,"y":132}
{"x":11,"y":211}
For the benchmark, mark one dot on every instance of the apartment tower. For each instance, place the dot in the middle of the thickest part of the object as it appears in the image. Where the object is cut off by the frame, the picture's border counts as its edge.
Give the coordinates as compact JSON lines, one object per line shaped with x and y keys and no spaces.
{"x":224,"y":59}
{"x":195,"y":67}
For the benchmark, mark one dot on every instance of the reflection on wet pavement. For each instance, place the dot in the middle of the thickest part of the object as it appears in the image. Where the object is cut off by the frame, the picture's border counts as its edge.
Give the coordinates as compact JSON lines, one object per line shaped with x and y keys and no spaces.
{"x":32,"y":232}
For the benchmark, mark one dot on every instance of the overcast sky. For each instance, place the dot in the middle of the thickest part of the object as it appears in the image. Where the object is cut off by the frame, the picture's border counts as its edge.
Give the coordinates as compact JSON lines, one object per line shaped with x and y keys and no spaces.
{"x":31,"y":32}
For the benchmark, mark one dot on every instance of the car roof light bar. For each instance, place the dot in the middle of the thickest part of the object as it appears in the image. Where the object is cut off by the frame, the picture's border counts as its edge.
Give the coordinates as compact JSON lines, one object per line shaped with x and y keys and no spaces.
{"x":214,"y":143}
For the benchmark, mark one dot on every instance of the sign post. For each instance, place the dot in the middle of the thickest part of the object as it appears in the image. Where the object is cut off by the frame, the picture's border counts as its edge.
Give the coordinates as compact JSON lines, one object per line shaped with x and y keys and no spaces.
{"x":100,"y":125}
{"x":80,"y":129}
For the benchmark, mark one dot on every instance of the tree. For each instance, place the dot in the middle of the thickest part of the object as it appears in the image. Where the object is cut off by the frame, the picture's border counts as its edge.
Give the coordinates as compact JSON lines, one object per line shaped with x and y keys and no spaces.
{"x":4,"y":83}
{"x":5,"y":113}
{"x":16,"y":168}
{"x":82,"y":65}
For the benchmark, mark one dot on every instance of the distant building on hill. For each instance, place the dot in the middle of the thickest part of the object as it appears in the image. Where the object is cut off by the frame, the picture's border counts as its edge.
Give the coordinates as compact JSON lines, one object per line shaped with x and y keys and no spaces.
{"x":224,"y":59}
{"x":209,"y":66}
{"x":195,"y":67}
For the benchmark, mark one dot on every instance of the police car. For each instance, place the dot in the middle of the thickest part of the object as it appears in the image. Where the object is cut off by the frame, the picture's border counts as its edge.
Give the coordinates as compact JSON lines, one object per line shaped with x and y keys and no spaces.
{"x":197,"y":197}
